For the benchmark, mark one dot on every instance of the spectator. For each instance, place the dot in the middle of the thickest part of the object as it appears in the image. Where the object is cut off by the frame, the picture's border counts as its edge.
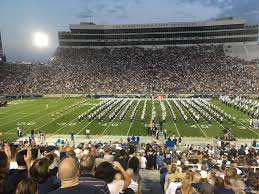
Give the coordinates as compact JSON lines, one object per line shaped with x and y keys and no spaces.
{"x":160,"y":160}
{"x":219,"y":187}
{"x":177,"y":69}
{"x":39,"y":172}
{"x":68,"y":173}
{"x":133,"y":163}
{"x":23,"y":159}
{"x":87,"y":170}
{"x":106,"y":171}
{"x":133,"y":185}
{"x":3,"y":171}
{"x":107,"y":155}
{"x":27,"y":186}
{"x":170,"y":176}
{"x":142,"y":161}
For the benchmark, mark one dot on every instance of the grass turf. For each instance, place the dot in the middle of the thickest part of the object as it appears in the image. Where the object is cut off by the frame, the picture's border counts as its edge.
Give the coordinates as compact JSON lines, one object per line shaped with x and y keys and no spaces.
{"x":59,"y":116}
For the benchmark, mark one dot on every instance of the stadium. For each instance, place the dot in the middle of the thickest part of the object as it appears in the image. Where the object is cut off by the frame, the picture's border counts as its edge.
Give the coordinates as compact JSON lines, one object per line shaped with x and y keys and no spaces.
{"x":169,"y":75}
{"x":196,"y":82}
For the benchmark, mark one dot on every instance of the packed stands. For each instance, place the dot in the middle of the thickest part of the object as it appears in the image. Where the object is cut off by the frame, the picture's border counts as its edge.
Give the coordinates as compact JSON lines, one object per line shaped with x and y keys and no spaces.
{"x":191,"y":69}
{"x":113,"y":168}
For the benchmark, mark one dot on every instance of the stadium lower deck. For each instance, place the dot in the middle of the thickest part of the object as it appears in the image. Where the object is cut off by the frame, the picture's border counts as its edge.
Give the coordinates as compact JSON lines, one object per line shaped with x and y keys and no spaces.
{"x":61,"y":116}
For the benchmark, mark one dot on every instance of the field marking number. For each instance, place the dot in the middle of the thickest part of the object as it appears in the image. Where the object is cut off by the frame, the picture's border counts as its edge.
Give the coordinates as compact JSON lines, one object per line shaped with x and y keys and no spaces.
{"x":63,"y":124}
{"x":25,"y":123}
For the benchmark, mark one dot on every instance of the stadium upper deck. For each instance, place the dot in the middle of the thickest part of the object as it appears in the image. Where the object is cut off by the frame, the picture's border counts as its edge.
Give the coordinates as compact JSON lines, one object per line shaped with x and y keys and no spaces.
{"x":225,"y":30}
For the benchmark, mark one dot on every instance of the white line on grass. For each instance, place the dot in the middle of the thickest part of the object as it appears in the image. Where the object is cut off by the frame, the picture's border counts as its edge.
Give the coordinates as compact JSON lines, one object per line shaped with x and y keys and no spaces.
{"x":133,"y":119}
{"x":55,"y":132}
{"x":55,"y":118}
{"x":242,"y":125}
{"x":130,"y":128}
{"x":249,"y":128}
{"x":19,"y":107}
{"x":177,"y":129}
{"x":194,"y":120}
{"x":214,"y":119}
{"x":171,"y":116}
{"x":20,"y":118}
{"x":112,"y":120}
{"x":86,"y":126}
{"x":36,"y":118}
{"x":27,"y":116}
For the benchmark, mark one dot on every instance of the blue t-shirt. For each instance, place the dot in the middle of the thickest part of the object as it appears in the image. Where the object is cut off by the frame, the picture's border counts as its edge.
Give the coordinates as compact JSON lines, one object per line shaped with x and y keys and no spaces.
{"x":13,"y":178}
{"x":50,"y":185}
{"x":78,"y":189}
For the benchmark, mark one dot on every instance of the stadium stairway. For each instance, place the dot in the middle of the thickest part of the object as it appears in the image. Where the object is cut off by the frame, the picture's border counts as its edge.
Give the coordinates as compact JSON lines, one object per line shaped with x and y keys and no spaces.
{"x":242,"y":51}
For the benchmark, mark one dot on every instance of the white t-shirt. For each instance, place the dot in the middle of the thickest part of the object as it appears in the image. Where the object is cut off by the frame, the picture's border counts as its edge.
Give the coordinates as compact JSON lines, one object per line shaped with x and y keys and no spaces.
{"x":142,"y":161}
{"x":172,"y":187}
{"x":13,"y":165}
{"x":116,"y":186}
{"x":133,"y":185}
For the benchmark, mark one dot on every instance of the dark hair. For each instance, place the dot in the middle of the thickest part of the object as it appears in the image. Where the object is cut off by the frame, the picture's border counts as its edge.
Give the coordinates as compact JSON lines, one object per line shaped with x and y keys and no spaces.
{"x":34,"y":153}
{"x":3,"y":169}
{"x":122,"y":152}
{"x":71,"y":153}
{"x":105,"y":171}
{"x":13,"y":149}
{"x":26,"y":186}
{"x":51,"y":157}
{"x":134,"y":164}
{"x":39,"y":170}
{"x":20,"y":158}
{"x":87,"y":164}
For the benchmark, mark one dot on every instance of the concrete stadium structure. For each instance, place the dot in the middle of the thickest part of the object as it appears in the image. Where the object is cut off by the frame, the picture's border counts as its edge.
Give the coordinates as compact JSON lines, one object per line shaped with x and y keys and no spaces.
{"x":238,"y":38}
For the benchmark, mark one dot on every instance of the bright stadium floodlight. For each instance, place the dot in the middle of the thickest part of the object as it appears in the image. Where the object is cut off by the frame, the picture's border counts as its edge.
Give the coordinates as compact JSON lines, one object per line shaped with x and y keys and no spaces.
{"x":40,"y":39}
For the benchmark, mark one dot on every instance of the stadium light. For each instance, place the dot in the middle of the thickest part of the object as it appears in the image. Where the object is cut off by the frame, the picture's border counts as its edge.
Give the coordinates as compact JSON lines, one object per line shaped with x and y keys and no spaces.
{"x":40,"y":39}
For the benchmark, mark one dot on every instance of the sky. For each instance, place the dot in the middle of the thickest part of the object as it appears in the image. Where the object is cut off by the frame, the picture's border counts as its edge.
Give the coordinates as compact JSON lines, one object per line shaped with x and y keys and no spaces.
{"x":20,"y":19}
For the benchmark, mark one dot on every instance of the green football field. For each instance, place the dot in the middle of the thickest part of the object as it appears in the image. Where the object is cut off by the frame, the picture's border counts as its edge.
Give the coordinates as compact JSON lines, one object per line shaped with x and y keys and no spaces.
{"x":60,"y":116}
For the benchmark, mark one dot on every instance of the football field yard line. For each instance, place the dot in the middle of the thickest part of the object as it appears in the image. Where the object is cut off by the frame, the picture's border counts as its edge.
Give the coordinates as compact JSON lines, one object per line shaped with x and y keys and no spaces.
{"x":27,"y":106}
{"x":133,"y":120}
{"x":86,"y":126}
{"x":168,"y":110}
{"x":248,"y":127}
{"x":130,"y":128}
{"x":194,"y":120}
{"x":28,"y":113}
{"x":55,"y":132}
{"x":38,"y":117}
{"x":19,"y":112}
{"x":220,"y":124}
{"x":15,"y":114}
{"x":114,"y":118}
{"x":238,"y":121}
{"x":21,"y":118}
{"x":55,"y":118}
{"x":19,"y":107}
{"x":177,"y":129}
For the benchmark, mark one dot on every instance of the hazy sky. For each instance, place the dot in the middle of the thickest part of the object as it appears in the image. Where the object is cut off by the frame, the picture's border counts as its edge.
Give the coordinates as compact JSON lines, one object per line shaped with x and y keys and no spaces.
{"x":19,"y":19}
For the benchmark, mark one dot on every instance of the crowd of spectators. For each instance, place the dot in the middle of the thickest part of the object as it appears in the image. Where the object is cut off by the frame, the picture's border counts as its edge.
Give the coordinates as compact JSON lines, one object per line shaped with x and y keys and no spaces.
{"x":115,"y":169}
{"x":132,"y":70}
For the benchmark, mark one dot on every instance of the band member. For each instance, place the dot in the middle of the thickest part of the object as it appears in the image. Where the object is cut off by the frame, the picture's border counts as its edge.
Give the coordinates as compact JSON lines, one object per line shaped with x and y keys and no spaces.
{"x":72,"y":136}
{"x":87,"y":132}
{"x":226,"y":134}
